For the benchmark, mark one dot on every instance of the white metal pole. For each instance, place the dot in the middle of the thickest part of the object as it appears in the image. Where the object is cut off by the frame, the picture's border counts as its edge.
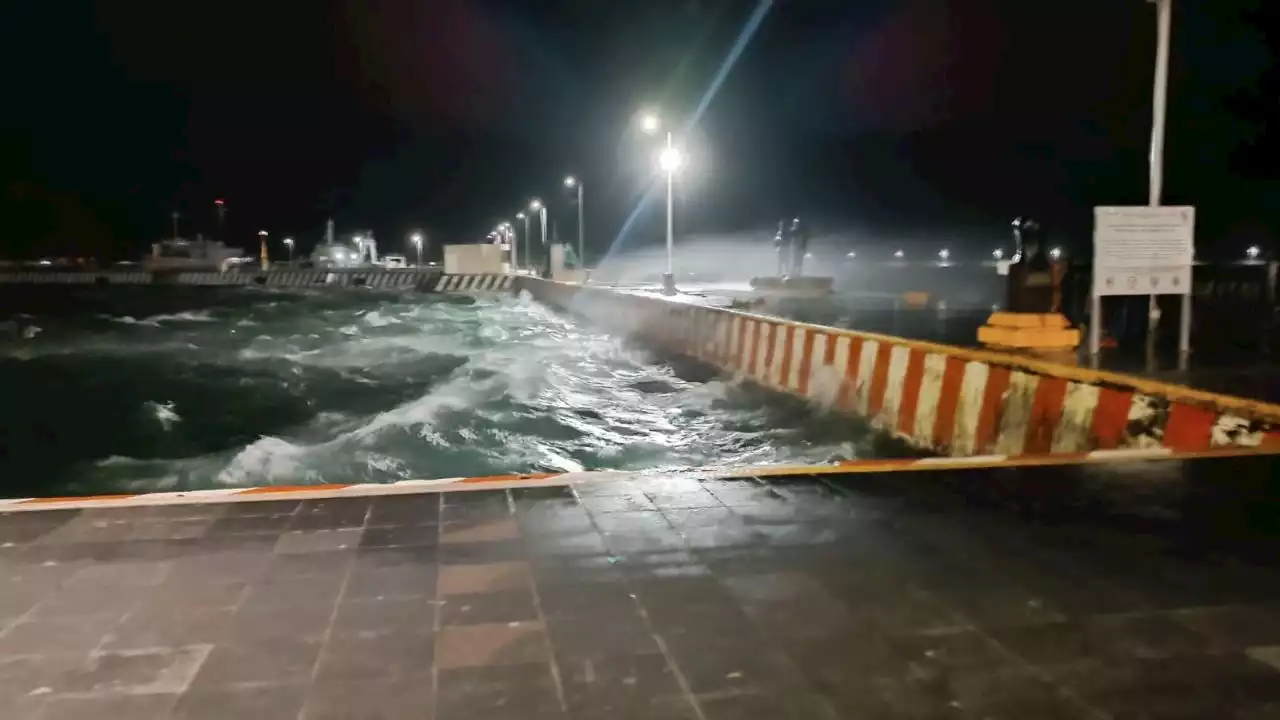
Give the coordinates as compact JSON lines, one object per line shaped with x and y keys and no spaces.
{"x":582,"y":256}
{"x":1159,"y":101}
{"x":527,"y":255}
{"x":671,"y":263}
{"x":542,"y":228}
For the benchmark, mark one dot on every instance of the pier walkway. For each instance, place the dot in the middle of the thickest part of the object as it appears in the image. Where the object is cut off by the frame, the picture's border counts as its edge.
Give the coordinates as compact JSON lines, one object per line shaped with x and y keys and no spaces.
{"x":1145,"y":589}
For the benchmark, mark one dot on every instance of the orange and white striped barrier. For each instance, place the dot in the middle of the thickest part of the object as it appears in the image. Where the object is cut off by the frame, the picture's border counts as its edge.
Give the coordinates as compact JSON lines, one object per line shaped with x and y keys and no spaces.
{"x":950,"y":400}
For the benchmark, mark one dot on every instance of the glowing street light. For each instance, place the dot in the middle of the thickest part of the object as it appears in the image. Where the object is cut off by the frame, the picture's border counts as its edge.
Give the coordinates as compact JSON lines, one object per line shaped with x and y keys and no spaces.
{"x":998,"y":254}
{"x":288,"y":242}
{"x":1055,"y":253}
{"x":416,"y":239}
{"x":851,"y":255}
{"x":899,"y":254}
{"x":1253,"y":252}
{"x":943,"y":254}
{"x":650,"y":122}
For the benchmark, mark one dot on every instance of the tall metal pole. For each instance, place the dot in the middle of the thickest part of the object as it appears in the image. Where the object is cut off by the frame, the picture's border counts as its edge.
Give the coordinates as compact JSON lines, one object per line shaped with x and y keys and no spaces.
{"x":669,"y":284}
{"x":542,"y":220}
{"x":1159,"y":104}
{"x":582,"y":256}
{"x":175,"y":224}
{"x":527,"y":256}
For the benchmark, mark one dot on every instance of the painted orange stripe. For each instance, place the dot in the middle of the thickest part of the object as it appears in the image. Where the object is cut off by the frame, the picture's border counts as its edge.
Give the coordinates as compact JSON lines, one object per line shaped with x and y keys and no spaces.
{"x":1110,"y":416}
{"x":849,"y":383}
{"x":1046,"y":413}
{"x":788,"y":341}
{"x":735,"y":342}
{"x":806,"y":361}
{"x":1270,"y":439}
{"x":269,"y":489}
{"x":911,"y":392}
{"x":1189,"y":427}
{"x":944,"y":425}
{"x":879,"y":380}
{"x":829,"y":350}
{"x":984,"y":435}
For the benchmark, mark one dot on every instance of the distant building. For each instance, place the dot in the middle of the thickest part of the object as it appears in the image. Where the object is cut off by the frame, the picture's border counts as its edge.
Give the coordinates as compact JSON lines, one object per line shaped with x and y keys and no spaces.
{"x":190,"y":254}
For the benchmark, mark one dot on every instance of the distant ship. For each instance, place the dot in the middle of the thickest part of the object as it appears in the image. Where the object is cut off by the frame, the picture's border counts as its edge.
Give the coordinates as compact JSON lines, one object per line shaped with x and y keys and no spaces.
{"x":183,"y":254}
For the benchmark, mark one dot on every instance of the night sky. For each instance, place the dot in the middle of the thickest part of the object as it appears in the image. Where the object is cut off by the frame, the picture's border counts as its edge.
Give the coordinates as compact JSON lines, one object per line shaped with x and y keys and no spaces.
{"x":885,"y":119}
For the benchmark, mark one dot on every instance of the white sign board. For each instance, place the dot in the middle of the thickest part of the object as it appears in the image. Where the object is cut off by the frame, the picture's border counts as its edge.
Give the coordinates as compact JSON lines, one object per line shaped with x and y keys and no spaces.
{"x":1143,"y":250}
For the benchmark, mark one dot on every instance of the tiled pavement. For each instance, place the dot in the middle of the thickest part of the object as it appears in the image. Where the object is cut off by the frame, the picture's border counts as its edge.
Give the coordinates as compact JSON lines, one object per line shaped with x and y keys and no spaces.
{"x":998,"y":594}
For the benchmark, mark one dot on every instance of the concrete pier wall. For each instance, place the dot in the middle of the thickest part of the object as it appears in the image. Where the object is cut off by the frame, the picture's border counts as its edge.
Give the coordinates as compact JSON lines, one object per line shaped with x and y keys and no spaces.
{"x":950,"y":400}
{"x":387,"y":279}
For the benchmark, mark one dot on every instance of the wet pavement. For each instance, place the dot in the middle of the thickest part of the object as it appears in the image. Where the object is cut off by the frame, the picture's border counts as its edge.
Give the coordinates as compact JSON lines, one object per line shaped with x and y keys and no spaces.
{"x":1145,"y":590}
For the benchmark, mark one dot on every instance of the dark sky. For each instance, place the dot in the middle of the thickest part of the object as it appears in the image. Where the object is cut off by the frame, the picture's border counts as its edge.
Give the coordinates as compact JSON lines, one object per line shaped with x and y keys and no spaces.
{"x":887,"y":118}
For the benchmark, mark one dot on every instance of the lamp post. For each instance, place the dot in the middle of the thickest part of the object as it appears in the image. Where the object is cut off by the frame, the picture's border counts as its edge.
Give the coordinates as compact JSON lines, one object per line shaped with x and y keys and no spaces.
{"x":669,"y":161}
{"x":416,"y":239}
{"x":522,"y":216}
{"x":262,"y":252}
{"x":572,"y":182}
{"x":288,"y":242}
{"x":536,"y":206}
{"x":222,"y":219}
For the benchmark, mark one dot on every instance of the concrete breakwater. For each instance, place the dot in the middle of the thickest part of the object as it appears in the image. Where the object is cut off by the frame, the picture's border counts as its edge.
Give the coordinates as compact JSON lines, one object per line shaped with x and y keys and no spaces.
{"x":431,"y":280}
{"x":950,"y":400}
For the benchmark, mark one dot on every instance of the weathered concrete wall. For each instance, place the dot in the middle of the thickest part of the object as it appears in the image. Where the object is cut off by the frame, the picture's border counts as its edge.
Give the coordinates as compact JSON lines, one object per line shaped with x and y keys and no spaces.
{"x":946,"y":399}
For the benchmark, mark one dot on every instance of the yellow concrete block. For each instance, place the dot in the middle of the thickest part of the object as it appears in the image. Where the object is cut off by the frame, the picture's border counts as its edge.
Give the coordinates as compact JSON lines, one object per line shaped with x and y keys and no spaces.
{"x":1054,"y":321}
{"x":916,"y":299}
{"x":1029,"y":338}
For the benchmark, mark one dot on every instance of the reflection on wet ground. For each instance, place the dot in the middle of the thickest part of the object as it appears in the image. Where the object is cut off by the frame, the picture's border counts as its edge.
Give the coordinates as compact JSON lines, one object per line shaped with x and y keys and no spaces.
{"x":1136,"y":590}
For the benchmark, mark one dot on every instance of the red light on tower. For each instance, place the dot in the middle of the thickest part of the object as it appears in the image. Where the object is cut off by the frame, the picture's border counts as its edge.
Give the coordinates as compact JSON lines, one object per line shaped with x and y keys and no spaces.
{"x":219,"y":201}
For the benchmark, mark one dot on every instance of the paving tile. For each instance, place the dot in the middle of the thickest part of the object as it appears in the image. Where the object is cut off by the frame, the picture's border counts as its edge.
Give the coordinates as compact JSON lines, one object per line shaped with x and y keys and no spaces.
{"x":267,"y":702}
{"x":258,"y":662}
{"x":587,"y":602}
{"x":480,"y":531}
{"x":474,"y":553}
{"x":118,"y":707}
{"x":31,"y":676}
{"x":397,"y":656}
{"x":736,"y":667}
{"x":305,"y":622}
{"x":475,"y":507}
{"x":1189,"y":686}
{"x":617,"y":686}
{"x":234,"y":566}
{"x":511,"y":692}
{"x":71,"y":635}
{"x":588,"y":542}
{"x":293,"y":593}
{"x":490,"y":577}
{"x":250,"y":524}
{"x":575,"y":640}
{"x":552,"y":569}
{"x":137,"y":672}
{"x":540,"y":495}
{"x":553,"y":519}
{"x":261,"y":508}
{"x":172,"y":627}
{"x":778,"y":705}
{"x":1101,"y":639}
{"x":494,"y":644}
{"x":189,"y":594}
{"x":660,"y":565}
{"x":331,"y":564}
{"x":385,"y":615}
{"x":504,"y":606}
{"x":171,"y":529}
{"x":371,"y":700}
{"x":400,"y":536}
{"x":632,"y":502}
{"x":404,"y":581}
{"x":697,"y":498}
{"x":402,"y":510}
{"x":791,"y":604}
{"x":631,"y":543}
{"x":308,"y":541}
{"x":699,"y":517}
{"x":407,"y":556}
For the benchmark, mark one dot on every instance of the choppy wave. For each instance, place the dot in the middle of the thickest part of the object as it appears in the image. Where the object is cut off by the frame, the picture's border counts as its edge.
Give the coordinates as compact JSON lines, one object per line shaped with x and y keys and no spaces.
{"x":244,"y":387}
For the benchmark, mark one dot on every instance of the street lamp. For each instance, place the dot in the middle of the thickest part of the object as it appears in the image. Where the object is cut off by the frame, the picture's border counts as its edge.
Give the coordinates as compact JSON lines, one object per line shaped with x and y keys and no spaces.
{"x":573,"y":182}
{"x":416,"y":239}
{"x":899,"y":254}
{"x":1253,"y":252}
{"x":536,"y":206}
{"x":669,"y":161}
{"x":1055,"y":253}
{"x":262,"y":241}
{"x":943,"y":254}
{"x":288,"y":242}
{"x":998,"y":254}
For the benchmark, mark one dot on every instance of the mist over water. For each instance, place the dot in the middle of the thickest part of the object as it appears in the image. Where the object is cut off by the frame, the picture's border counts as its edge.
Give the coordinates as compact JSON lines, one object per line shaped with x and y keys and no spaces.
{"x":134,"y":389}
